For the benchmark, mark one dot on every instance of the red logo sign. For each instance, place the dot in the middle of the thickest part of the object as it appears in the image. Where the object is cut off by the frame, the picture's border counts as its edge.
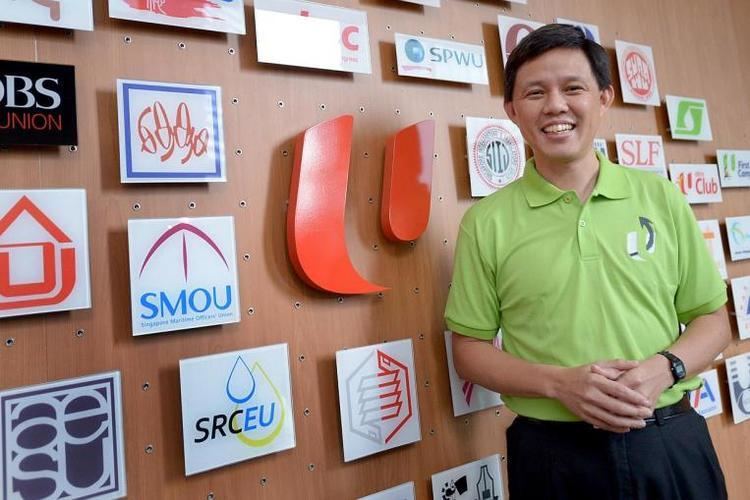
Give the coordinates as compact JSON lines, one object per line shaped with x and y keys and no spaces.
{"x":159,"y":136}
{"x":58,"y":262}
{"x":315,"y":221}
{"x":697,"y":182}
{"x":638,"y":74}
{"x":175,"y":8}
{"x":639,"y":153}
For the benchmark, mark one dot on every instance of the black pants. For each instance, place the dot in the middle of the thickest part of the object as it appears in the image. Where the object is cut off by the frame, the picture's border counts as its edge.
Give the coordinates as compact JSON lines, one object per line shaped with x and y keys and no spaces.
{"x":670,"y":460}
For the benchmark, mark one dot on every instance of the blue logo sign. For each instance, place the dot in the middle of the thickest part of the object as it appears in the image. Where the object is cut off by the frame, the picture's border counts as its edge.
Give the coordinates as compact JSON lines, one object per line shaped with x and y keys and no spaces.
{"x":63,"y":440}
{"x":414,"y":50}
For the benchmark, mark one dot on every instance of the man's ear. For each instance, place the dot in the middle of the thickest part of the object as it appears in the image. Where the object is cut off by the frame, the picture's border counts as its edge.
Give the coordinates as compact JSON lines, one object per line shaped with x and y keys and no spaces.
{"x":606,"y":97}
{"x":510,"y":110}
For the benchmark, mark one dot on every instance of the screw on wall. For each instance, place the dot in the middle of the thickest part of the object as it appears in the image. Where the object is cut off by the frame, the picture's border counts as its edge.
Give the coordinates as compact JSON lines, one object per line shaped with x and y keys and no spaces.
{"x":243,"y":204}
{"x":280,"y":103}
{"x":246,"y":257}
{"x":235,"y":100}
{"x":311,"y":467}
{"x":421,"y":336}
{"x":10,"y":342}
{"x":238,"y":152}
{"x":182,"y":45}
{"x":323,"y":107}
{"x":340,"y":300}
{"x":250,"y":311}
{"x":231,"y":51}
{"x":192,"y":205}
{"x":146,"y":386}
{"x":298,"y":305}
{"x":307,"y":412}
{"x":80,"y":332}
{"x":263,"y":481}
{"x":73,"y":148}
{"x":211,"y":496}
{"x":301,"y":358}
{"x":127,"y":39}
{"x":136,"y":206}
{"x":149,"y":449}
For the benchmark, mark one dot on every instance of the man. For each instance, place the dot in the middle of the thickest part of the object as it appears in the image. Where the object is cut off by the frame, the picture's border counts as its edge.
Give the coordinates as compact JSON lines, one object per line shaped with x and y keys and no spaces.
{"x":589,"y":268}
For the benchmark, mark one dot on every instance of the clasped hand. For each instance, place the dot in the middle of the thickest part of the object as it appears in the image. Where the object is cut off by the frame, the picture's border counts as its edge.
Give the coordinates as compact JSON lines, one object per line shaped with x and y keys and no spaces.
{"x":615,"y":395}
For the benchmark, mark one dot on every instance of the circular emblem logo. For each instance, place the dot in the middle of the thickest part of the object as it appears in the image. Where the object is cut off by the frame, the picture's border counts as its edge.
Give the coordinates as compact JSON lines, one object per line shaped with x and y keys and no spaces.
{"x":497,"y":156}
{"x":638,"y":74}
{"x":414,"y":50}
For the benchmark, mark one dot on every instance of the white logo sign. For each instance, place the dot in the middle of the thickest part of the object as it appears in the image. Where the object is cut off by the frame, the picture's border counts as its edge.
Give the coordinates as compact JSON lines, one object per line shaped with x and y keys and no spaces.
{"x":734,"y":167}
{"x":476,"y":480}
{"x":513,"y":30}
{"x":741,"y":294}
{"x":183,"y":273}
{"x":590,"y":31}
{"x":440,"y":59}
{"x":63,"y":439}
{"x":401,"y":492}
{"x":688,"y":118}
{"x":738,"y":376}
{"x":170,"y":132}
{"x":712,"y":235}
{"x":642,"y":152}
{"x":44,"y":252}
{"x":738,"y":233}
{"x":73,"y":14}
{"x":467,"y":397}
{"x":637,"y":73}
{"x":377,"y":398}
{"x":699,"y":183}
{"x":707,"y":399}
{"x":225,"y":15}
{"x":235,"y":406}
{"x":312,"y":35}
{"x":600,"y":145}
{"x":496,"y":154}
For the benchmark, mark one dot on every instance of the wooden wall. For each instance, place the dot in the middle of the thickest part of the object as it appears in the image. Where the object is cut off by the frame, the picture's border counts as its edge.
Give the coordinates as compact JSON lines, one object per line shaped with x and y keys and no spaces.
{"x":701,"y":49}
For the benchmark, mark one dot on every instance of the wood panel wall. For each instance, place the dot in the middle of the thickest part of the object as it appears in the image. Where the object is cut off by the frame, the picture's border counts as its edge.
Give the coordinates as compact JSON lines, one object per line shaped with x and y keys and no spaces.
{"x":701,"y":49}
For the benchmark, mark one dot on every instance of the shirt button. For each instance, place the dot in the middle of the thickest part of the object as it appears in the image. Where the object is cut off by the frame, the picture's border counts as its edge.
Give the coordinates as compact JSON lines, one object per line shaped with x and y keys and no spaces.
{"x":567,"y":198}
{"x":582,"y":223}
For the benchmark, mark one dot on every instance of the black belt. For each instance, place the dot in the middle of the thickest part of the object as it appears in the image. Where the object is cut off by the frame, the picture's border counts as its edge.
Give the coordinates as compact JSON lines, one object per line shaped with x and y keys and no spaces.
{"x":671,"y":411}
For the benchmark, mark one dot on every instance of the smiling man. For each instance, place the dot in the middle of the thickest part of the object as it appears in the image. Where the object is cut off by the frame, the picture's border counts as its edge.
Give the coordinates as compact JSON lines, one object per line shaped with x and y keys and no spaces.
{"x":589,"y":268}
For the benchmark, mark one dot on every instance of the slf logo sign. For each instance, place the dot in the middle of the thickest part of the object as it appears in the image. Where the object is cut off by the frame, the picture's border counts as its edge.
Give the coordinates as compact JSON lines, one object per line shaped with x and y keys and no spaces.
{"x":43,"y":252}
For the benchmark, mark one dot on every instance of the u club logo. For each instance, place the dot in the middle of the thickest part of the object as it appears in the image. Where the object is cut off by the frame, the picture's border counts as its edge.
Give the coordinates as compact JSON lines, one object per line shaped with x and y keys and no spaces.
{"x":697,"y":182}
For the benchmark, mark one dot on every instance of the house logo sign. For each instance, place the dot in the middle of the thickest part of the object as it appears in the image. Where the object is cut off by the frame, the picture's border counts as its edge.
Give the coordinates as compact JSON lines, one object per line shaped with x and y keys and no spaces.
{"x":58,"y":262}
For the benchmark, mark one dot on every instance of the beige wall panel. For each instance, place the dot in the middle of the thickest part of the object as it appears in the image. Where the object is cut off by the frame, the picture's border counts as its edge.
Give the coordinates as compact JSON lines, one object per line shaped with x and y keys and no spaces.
{"x":701,"y":49}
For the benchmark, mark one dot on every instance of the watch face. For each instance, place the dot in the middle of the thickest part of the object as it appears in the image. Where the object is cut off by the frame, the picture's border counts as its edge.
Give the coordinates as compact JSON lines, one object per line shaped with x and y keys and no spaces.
{"x":679,"y":370}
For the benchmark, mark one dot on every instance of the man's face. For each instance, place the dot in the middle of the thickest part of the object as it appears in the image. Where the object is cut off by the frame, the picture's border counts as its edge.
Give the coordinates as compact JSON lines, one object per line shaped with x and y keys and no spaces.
{"x":557,"y":105}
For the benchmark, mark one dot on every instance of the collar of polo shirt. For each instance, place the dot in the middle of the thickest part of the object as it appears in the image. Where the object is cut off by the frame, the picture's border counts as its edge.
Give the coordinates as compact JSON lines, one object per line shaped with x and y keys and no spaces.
{"x":612,"y":184}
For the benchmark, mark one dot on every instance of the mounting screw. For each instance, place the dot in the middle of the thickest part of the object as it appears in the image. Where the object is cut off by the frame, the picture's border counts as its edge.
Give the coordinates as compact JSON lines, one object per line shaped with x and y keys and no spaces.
{"x":380,"y":295}
{"x":432,"y":432}
{"x":280,"y":103}
{"x":235,"y":100}
{"x":398,"y":111}
{"x":127,"y":39}
{"x":10,"y":342}
{"x":146,"y":386}
{"x":238,"y":152}
{"x":421,"y":336}
{"x":301,"y":358}
{"x":73,"y":148}
{"x":210,"y":496}
{"x":466,"y":421}
{"x":284,"y":153}
{"x":150,"y":449}
{"x":136,"y":206}
{"x":306,"y":412}
{"x":311,"y":467}
{"x":243,"y":204}
{"x":375,"y":247}
{"x":231,"y":51}
{"x":340,"y":300}
{"x":323,"y":106}
{"x":192,"y":205}
{"x":250,"y":311}
{"x":497,"y":413}
{"x":361,"y":109}
{"x":80,"y":332}
{"x":181,"y":45}
{"x":412,"y":244}
{"x":416,"y":291}
{"x":297,"y":305}
{"x":263,"y":481}
{"x":427,"y":383}
{"x":246,"y":257}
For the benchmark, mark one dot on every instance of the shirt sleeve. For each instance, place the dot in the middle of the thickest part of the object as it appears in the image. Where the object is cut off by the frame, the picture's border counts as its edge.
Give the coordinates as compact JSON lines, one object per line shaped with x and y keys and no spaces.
{"x":473,"y":307}
{"x":700,"y":290}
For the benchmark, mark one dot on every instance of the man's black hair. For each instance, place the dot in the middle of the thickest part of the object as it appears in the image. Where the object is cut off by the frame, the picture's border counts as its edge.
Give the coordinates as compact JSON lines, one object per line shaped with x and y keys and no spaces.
{"x":554,"y":36}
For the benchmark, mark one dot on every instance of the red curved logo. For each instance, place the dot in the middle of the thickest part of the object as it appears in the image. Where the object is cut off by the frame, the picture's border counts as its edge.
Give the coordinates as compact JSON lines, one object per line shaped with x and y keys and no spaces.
{"x":182,"y":227}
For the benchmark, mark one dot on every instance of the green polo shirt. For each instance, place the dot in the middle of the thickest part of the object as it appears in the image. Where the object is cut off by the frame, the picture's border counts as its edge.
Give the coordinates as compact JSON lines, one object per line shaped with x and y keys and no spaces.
{"x":572,"y":283}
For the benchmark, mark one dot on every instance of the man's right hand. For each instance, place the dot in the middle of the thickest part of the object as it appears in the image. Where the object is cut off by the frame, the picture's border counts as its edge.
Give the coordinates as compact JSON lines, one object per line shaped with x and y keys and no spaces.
{"x":600,"y":400}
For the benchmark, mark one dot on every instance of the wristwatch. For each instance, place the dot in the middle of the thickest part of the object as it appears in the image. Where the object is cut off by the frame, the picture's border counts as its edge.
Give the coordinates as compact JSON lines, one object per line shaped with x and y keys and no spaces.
{"x":676,"y":366}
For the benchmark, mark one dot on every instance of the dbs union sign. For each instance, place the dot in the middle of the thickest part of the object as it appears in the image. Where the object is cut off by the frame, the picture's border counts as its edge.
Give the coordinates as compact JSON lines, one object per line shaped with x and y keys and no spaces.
{"x":37,"y":104}
{"x":183,"y":273}
{"x":43,"y":252}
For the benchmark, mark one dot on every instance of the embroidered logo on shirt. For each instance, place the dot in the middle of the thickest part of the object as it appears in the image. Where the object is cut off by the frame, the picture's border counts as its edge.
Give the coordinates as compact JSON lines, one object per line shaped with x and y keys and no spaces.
{"x":632,"y":239}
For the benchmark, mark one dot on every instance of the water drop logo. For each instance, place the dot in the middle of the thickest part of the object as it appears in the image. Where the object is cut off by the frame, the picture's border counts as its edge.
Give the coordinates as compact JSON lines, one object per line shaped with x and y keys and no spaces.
{"x":414,"y":50}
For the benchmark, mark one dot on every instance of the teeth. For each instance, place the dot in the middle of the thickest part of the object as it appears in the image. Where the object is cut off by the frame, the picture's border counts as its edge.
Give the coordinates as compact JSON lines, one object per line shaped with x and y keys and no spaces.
{"x":562,"y":127}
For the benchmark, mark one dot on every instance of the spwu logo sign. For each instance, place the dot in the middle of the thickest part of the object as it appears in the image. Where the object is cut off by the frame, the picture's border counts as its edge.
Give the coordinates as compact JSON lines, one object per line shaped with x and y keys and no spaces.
{"x":183,"y":273}
{"x":440,"y":59}
{"x":377,"y":398}
{"x":699,"y":183}
{"x":235,"y":406}
{"x":44,"y":263}
{"x":63,"y":440}
{"x":688,"y":118}
{"x":170,"y":132}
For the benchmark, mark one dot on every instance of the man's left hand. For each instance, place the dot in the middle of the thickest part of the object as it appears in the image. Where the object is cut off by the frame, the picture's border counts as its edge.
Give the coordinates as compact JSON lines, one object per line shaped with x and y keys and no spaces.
{"x":651,"y":377}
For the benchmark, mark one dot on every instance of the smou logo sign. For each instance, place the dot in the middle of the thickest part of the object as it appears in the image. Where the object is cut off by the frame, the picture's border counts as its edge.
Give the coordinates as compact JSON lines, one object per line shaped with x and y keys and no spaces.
{"x":183,"y":273}
{"x":37,"y":104}
{"x":235,"y":406}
